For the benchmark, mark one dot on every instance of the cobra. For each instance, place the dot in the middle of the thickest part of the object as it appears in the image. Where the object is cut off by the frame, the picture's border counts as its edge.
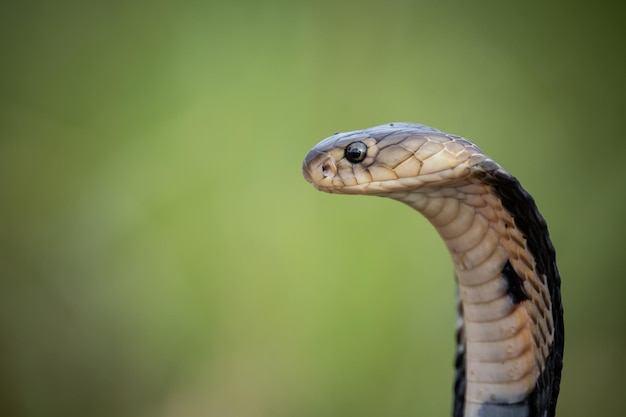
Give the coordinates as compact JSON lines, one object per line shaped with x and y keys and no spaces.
{"x":510,"y":333}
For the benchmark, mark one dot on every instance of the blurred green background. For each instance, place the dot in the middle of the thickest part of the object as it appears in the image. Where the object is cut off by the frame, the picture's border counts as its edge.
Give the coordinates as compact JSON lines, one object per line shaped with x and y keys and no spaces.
{"x":161,"y":254}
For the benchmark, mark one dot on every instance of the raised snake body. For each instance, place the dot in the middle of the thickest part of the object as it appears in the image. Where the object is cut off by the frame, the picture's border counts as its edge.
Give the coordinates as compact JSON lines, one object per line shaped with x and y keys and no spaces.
{"x":510,"y":330}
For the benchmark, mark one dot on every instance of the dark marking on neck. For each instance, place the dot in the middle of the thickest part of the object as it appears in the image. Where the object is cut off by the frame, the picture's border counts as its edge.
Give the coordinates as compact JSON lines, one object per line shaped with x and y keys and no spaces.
{"x":514,"y":282}
{"x":460,"y":381}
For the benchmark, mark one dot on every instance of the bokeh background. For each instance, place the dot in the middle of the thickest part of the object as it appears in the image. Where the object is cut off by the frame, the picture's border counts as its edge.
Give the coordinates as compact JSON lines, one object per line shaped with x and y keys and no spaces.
{"x":161,"y":254}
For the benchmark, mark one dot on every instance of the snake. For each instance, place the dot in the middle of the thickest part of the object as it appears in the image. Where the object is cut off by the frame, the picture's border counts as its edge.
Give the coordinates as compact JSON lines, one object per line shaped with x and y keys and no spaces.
{"x":509,"y":331}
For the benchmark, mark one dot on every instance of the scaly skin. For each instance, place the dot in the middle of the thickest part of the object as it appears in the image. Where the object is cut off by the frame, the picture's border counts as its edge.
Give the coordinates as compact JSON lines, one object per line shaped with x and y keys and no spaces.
{"x":510,"y":332}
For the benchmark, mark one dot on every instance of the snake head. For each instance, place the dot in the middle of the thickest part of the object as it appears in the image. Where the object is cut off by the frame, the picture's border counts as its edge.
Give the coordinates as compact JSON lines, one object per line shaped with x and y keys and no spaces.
{"x":391,"y":158}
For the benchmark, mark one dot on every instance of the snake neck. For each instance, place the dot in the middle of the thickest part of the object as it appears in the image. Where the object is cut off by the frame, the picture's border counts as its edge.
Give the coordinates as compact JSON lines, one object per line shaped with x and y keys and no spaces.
{"x":506,"y":327}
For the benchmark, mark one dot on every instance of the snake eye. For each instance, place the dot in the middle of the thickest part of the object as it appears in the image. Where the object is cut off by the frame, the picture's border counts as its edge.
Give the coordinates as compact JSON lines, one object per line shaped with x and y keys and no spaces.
{"x":356,"y":152}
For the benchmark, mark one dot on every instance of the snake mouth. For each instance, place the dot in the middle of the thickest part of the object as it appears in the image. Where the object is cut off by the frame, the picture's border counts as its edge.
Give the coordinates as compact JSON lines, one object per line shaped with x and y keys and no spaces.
{"x":325,"y":176}
{"x":325,"y":179}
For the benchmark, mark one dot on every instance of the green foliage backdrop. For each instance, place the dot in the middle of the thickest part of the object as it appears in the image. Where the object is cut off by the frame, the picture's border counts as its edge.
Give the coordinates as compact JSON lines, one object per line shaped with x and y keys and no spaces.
{"x":161,"y":254}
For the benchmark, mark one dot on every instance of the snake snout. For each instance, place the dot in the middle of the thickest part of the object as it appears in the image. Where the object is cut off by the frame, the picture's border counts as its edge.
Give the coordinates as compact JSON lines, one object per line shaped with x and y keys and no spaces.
{"x":317,"y":168}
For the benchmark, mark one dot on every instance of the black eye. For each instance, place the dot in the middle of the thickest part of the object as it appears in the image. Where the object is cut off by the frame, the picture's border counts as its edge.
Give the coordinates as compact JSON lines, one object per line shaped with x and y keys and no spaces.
{"x":356,"y":152}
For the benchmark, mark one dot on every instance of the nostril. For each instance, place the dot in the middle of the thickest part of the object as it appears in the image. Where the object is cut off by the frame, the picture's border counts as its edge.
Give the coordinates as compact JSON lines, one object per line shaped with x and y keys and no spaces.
{"x":327,"y":169}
